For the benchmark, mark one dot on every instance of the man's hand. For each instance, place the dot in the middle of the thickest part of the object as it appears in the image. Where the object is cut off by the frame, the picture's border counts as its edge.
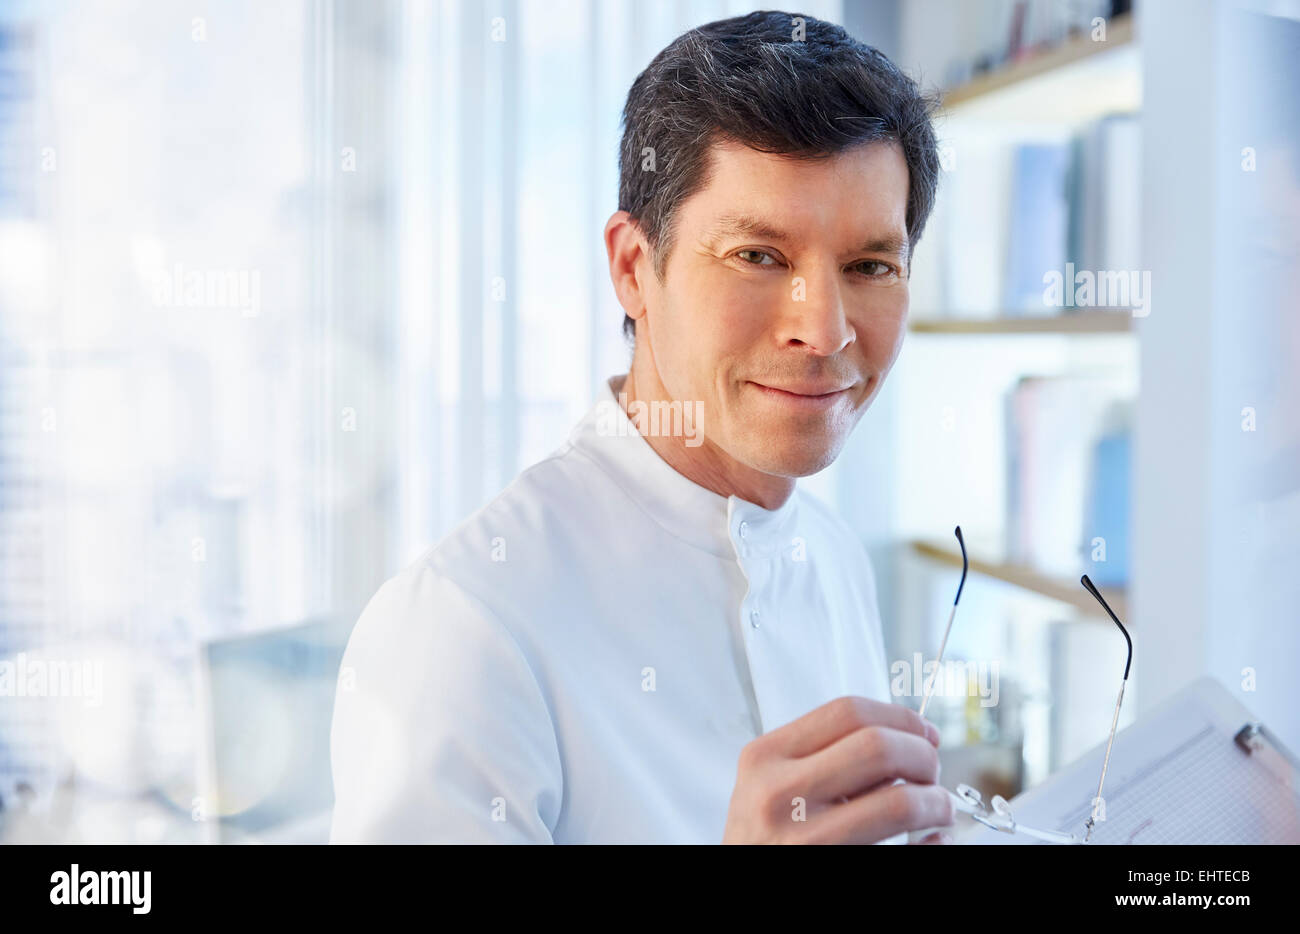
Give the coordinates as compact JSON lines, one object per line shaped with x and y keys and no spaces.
{"x":829,"y":777}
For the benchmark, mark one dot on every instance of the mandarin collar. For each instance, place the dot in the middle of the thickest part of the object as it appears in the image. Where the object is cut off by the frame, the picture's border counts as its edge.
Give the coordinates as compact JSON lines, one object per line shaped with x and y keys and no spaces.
{"x":726,"y":526}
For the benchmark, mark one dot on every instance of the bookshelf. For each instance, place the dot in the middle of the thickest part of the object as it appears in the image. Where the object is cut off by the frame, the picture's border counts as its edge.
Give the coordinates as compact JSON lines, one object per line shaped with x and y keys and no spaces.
{"x":1012,"y":415}
{"x":1199,"y":599}
{"x":1044,"y":98}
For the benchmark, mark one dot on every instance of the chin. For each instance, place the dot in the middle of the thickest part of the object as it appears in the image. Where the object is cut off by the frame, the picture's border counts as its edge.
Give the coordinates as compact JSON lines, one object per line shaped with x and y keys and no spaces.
{"x":796,"y":457}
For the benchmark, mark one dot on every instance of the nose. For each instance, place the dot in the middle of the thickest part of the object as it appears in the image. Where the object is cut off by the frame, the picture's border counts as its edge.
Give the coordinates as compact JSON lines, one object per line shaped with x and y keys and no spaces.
{"x":816,"y":317}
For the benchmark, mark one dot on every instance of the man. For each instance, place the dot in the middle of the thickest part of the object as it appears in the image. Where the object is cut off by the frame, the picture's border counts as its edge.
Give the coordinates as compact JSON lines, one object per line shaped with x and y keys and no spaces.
{"x":651,"y":636}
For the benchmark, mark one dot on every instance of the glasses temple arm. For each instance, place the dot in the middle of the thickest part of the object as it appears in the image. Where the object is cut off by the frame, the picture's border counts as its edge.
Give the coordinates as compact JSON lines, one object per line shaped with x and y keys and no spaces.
{"x":925,"y":701}
{"x":1111,"y":613}
{"x":1114,"y":721}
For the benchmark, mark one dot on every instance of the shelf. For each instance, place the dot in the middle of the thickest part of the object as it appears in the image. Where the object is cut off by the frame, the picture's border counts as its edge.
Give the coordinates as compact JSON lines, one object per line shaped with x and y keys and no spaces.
{"x":1089,"y":322}
{"x":1119,"y":32}
{"x":1072,"y":82}
{"x":1027,"y":578}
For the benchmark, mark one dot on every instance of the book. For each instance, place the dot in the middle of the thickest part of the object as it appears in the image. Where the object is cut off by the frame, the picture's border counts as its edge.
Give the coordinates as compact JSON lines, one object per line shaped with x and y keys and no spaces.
{"x":1053,"y":424}
{"x":1038,"y":236}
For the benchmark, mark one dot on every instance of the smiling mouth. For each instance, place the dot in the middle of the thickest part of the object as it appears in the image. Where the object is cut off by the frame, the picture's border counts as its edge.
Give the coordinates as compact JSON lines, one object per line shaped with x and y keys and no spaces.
{"x":808,"y":401}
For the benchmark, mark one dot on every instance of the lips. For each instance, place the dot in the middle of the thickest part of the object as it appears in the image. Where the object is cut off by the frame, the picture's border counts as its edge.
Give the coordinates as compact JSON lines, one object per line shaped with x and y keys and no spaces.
{"x":805,"y":389}
{"x":804,"y":397}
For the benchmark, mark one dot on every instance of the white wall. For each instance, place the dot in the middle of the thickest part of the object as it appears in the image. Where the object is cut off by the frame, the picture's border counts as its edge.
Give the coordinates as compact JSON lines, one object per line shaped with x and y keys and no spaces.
{"x":1218,"y":507}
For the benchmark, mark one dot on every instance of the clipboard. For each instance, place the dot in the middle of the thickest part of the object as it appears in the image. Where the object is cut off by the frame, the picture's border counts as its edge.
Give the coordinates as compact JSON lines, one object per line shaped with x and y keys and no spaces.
{"x":1197,"y":769}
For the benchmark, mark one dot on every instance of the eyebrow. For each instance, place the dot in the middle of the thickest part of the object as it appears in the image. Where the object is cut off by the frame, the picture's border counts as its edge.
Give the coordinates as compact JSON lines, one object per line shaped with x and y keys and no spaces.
{"x":738,"y":225}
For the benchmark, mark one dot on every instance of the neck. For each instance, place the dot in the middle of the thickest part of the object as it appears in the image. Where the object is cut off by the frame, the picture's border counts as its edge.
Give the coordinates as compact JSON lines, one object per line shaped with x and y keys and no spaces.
{"x":704,"y":464}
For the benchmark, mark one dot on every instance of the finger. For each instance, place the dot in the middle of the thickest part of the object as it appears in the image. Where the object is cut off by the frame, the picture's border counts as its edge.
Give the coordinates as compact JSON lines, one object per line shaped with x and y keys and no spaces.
{"x":819,"y":728}
{"x":883,"y":813}
{"x":844,"y":799}
{"x":856,"y":763}
{"x":938,"y":838}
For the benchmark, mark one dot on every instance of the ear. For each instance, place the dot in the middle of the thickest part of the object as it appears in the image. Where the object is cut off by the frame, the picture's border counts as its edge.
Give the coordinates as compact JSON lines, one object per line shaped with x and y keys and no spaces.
{"x":626,"y":247}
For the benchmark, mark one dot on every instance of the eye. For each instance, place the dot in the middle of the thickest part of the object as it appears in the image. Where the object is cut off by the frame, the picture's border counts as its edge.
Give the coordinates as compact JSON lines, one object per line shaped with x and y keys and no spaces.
{"x":755,"y":257}
{"x":874,"y":269}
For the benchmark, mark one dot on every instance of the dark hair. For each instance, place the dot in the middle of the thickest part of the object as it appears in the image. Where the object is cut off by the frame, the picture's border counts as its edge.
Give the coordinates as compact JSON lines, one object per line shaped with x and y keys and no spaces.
{"x":778,"y":85}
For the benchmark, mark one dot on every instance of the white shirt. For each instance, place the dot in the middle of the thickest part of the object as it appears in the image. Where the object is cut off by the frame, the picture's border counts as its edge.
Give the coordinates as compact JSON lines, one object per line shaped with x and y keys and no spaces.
{"x":582,"y":660}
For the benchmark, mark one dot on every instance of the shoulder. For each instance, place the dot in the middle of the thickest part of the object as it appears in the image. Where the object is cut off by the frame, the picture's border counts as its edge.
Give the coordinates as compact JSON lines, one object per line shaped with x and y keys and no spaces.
{"x":426,"y":649}
{"x":420,"y":618}
{"x":504,"y":557}
{"x":528,"y":525}
{"x":429,"y":676}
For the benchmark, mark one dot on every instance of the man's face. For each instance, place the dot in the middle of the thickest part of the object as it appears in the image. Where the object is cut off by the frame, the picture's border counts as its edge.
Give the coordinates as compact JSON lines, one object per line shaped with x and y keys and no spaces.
{"x":784,"y":300}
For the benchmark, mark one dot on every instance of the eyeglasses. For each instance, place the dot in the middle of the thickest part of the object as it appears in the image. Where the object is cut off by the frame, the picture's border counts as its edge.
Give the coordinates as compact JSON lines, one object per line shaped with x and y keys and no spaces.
{"x":1000,"y":818}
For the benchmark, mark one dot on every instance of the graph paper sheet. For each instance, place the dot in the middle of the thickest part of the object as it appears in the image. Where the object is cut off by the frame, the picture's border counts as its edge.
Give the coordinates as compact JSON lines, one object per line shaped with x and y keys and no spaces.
{"x":1176,"y":776}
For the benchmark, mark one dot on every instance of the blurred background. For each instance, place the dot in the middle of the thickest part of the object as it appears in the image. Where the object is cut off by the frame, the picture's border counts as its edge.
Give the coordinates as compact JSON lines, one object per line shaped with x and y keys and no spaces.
{"x":289,"y":289}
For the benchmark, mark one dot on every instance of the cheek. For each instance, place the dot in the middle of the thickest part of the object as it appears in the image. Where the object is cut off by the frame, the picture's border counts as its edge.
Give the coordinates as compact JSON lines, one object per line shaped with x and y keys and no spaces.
{"x":713,"y":321}
{"x":689,"y":327}
{"x":747,"y":312}
{"x":881,"y":328}
{"x":739,"y":307}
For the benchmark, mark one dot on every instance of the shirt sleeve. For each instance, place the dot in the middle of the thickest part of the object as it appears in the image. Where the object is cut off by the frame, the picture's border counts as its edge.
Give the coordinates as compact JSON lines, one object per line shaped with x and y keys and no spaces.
{"x":441,"y":733}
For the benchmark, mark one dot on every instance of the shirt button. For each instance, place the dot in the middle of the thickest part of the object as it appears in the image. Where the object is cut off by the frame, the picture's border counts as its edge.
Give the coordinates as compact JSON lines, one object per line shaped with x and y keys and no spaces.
{"x":753,"y":618}
{"x":744,"y":529}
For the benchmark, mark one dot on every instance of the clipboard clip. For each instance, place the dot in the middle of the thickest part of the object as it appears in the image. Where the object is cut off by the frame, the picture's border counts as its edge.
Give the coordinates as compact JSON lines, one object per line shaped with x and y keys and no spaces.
{"x":1259,"y":742}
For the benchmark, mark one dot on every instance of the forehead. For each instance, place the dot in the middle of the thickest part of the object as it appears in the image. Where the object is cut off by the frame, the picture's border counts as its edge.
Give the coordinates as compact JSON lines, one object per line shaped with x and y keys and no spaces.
{"x":864,"y":188}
